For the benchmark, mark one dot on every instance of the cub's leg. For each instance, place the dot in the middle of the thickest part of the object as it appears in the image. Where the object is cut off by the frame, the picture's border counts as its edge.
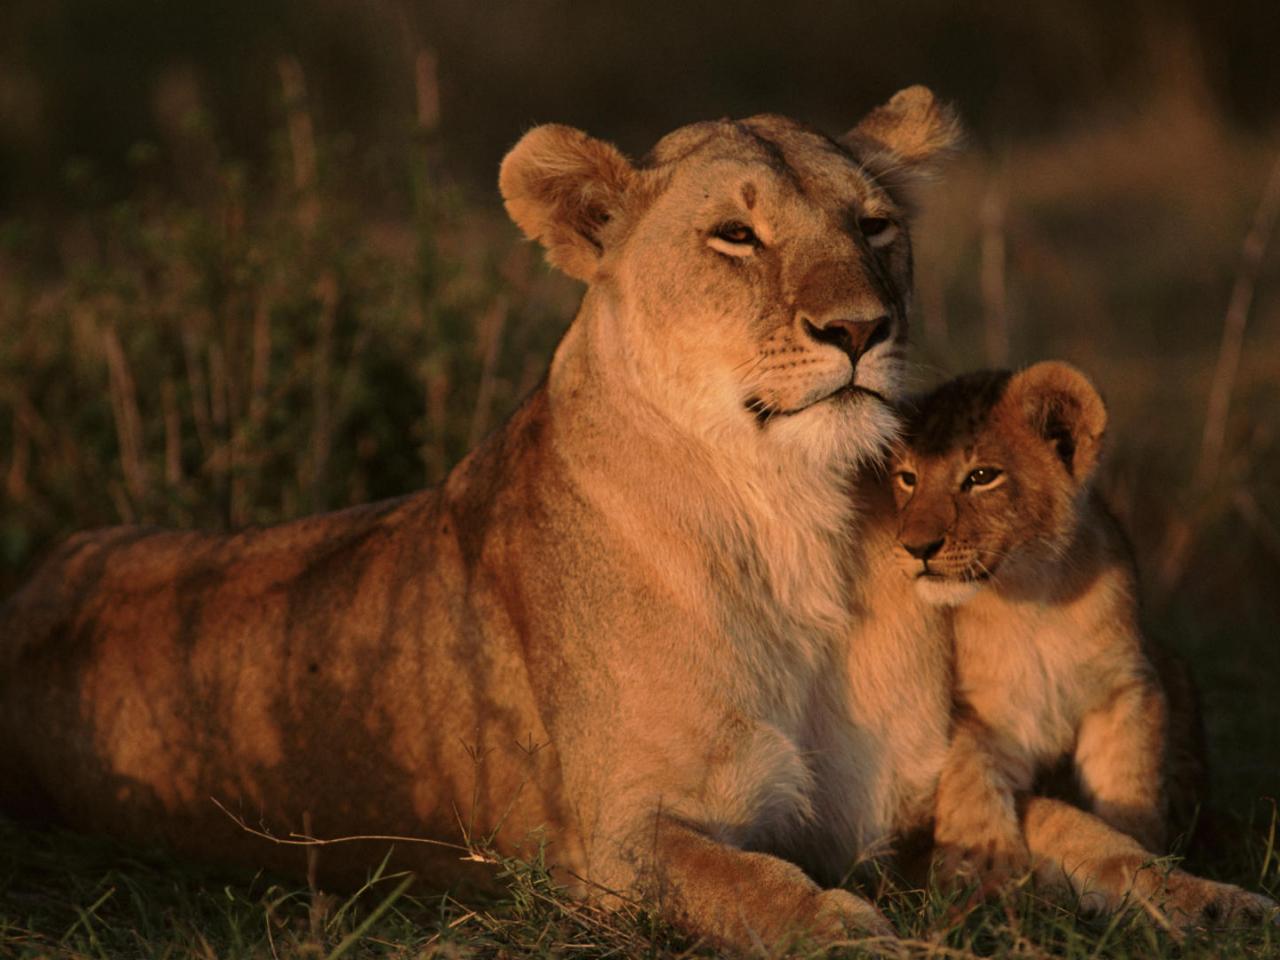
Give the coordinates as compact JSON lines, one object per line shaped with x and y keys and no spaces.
{"x":1120,"y":761}
{"x":976,"y":829}
{"x":1075,"y":850}
{"x":750,"y":900}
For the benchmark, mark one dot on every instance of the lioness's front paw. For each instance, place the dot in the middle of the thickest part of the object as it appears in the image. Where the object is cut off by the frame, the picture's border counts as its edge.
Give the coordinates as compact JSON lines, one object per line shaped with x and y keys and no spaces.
{"x":992,"y":864}
{"x":841,"y":915}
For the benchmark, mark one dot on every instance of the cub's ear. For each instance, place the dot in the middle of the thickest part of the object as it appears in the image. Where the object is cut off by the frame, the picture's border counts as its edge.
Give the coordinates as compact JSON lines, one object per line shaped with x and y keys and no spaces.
{"x":902,"y":141}
{"x":1063,"y":408}
{"x":562,"y":187}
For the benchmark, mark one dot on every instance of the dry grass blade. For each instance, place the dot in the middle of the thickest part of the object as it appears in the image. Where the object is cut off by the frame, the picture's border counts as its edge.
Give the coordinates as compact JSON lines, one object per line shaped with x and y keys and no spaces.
{"x":301,"y":136}
{"x":303,"y":840}
{"x":491,"y":327}
{"x":1184,"y":530}
{"x":128,"y":418}
{"x":1233,"y":328}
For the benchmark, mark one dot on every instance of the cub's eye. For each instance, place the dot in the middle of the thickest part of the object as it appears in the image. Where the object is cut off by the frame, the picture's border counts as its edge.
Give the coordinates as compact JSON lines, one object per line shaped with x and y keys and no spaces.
{"x":906,"y":479}
{"x":982,"y":477}
{"x":734,"y":239}
{"x":879,"y":231}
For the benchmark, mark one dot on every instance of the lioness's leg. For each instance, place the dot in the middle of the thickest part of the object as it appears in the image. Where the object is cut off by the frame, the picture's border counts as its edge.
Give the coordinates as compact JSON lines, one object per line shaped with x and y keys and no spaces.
{"x":976,"y":827}
{"x":1076,"y":850}
{"x":749,"y":899}
{"x":1120,"y":762}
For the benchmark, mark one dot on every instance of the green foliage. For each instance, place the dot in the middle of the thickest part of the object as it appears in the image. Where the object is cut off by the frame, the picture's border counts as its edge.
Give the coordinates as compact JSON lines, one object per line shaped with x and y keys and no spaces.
{"x":243,"y":357}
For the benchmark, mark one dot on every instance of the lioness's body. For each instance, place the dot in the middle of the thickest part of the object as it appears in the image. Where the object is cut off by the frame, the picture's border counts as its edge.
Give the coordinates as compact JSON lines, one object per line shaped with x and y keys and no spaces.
{"x":378,"y":670}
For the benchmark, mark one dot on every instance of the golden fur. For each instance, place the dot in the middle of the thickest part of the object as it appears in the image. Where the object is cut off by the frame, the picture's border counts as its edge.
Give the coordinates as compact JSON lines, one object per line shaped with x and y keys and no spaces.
{"x":620,"y":624}
{"x":998,"y":521}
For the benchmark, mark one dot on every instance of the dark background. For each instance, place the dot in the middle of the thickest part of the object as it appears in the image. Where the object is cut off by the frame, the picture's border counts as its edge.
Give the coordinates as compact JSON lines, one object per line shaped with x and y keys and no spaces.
{"x":80,"y":78}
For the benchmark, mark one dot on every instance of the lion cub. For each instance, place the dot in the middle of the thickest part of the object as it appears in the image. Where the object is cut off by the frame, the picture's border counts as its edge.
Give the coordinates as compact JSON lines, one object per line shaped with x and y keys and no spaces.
{"x":999,"y":522}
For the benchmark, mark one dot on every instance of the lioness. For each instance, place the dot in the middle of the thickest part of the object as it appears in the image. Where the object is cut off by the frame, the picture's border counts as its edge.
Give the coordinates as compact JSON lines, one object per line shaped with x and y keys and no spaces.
{"x":998,"y":520}
{"x":600,"y":629}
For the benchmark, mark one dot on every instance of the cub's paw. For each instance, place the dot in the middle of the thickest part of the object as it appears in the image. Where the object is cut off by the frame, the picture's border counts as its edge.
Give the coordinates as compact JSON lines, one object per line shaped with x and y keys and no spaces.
{"x":841,"y":915}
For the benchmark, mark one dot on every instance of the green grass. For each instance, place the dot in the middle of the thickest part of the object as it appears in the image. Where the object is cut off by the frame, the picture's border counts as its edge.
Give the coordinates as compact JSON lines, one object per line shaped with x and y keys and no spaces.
{"x":66,"y":895}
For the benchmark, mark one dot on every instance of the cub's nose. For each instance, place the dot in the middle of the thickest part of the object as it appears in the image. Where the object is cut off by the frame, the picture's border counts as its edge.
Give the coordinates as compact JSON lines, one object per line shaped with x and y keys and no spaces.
{"x":854,"y":337}
{"x":924,"y":551}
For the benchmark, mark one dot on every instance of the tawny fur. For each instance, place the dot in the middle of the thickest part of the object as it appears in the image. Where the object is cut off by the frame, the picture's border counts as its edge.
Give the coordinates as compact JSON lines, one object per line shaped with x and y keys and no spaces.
{"x":622,"y":623}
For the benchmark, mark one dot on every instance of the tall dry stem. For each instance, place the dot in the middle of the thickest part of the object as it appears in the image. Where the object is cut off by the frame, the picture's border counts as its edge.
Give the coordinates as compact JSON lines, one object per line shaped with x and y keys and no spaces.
{"x":127,"y":416}
{"x":492,"y":324}
{"x":1252,"y":252}
{"x":302,"y":140}
{"x":1184,"y":530}
{"x":321,"y":393}
{"x":993,"y":282}
{"x":201,"y":414}
{"x":220,"y":462}
{"x":261,"y":363}
{"x":172,"y":433}
{"x":427,"y":89}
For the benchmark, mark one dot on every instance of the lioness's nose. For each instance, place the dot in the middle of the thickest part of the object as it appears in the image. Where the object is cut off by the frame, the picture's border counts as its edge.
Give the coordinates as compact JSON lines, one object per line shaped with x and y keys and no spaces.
{"x":854,"y":337}
{"x":923,"y":551}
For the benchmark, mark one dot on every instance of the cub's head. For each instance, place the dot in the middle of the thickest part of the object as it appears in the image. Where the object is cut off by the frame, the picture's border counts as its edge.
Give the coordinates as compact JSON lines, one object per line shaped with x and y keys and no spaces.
{"x":989,"y":478}
{"x":749,"y":281}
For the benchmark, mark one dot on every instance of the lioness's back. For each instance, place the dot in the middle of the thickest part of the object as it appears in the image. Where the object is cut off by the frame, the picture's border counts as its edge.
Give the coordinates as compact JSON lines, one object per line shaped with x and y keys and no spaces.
{"x":179,"y":668}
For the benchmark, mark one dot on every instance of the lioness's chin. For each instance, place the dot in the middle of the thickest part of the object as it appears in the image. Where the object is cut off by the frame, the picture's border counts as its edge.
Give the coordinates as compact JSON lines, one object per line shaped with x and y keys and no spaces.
{"x":846,"y":430}
{"x":942,"y":592}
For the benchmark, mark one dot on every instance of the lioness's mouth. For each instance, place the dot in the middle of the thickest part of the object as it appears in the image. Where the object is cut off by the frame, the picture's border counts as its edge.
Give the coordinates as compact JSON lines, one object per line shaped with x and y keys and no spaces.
{"x":853,"y":388}
{"x":977,"y":576}
{"x":764,"y":411}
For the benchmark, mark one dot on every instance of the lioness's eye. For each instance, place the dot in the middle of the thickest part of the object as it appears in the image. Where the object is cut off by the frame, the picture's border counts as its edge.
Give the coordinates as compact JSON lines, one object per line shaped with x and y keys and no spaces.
{"x":734,"y":239}
{"x":906,"y":479}
{"x":981,"y":477}
{"x":736,"y":233}
{"x":879,"y":231}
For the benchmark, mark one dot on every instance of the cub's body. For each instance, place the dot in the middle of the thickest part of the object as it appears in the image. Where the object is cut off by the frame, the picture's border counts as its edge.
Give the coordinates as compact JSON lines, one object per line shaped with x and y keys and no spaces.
{"x":1060,"y":654}
{"x":1064,"y":673}
{"x":1050,"y":662}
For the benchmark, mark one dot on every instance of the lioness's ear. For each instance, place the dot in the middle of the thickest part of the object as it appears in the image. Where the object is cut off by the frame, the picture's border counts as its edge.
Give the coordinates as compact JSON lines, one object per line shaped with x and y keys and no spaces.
{"x":901,"y":141}
{"x":562,"y":187}
{"x":1063,"y":408}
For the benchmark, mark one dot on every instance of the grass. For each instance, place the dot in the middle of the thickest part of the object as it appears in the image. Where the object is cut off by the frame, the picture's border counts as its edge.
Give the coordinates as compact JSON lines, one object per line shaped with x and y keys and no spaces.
{"x":250,"y":348}
{"x":69,"y":896}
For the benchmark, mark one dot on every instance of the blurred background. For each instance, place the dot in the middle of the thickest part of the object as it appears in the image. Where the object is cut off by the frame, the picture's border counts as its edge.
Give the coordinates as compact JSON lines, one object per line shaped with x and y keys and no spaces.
{"x":253,"y":263}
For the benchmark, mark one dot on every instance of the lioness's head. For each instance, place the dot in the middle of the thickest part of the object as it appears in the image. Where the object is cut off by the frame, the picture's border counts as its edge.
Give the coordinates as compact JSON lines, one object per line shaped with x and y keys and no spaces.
{"x":749,"y":280}
{"x":989,"y":476}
